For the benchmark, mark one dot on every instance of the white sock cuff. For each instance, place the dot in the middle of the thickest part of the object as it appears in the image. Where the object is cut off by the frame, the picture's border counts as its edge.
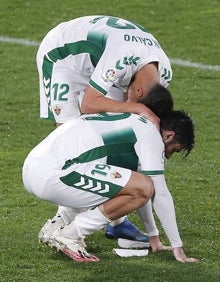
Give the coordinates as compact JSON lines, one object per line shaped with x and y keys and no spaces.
{"x":90,"y":221}
{"x":118,"y":221}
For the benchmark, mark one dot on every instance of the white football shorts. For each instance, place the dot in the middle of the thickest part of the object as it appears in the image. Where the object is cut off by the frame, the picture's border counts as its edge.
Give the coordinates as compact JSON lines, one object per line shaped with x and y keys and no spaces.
{"x":79,"y":186}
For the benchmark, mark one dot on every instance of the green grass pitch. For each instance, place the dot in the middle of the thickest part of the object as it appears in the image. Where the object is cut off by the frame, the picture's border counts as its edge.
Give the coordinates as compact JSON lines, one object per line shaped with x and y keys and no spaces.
{"x":188,"y":31}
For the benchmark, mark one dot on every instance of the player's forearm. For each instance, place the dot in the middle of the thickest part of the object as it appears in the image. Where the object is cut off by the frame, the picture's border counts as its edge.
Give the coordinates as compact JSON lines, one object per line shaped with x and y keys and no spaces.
{"x":95,"y":102}
{"x":167,"y":218}
{"x":164,"y":208}
{"x":104,"y":104}
{"x":146,"y":215}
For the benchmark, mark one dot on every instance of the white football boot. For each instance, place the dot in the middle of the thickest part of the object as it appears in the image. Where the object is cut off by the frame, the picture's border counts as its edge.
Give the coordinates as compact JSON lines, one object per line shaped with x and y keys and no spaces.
{"x":47,"y":231}
{"x":63,"y":217}
{"x":73,"y":248}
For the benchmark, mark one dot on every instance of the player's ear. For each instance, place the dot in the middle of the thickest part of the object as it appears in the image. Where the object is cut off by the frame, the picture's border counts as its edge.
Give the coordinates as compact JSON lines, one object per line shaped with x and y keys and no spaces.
{"x":168,"y":135}
{"x":139,"y":92}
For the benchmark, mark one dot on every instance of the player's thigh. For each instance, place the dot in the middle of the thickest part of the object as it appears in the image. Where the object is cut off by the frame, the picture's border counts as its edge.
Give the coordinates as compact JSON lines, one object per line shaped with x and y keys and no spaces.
{"x":138,"y":185}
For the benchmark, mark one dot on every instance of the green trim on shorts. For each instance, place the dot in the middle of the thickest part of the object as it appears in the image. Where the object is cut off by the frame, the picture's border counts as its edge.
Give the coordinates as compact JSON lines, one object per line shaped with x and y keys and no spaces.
{"x":152,"y":172}
{"x":90,"y":184}
{"x":47,"y":69}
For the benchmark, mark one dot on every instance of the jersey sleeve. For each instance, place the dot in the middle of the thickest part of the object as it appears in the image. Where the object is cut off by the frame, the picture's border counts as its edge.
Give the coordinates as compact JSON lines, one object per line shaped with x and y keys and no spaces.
{"x":165,"y":211}
{"x":110,"y":71}
{"x":146,"y":215}
{"x":121,"y":59}
{"x":150,"y":151}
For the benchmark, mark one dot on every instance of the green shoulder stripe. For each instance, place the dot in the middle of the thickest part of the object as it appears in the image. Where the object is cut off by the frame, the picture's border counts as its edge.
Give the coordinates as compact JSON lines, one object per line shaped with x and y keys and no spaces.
{"x":152,"y":172}
{"x":97,"y":87}
{"x":76,"y":48}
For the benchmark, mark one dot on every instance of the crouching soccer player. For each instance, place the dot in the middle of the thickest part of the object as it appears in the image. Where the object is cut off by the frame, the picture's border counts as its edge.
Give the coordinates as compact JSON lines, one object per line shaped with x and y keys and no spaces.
{"x":75,"y":170}
{"x":159,"y":100}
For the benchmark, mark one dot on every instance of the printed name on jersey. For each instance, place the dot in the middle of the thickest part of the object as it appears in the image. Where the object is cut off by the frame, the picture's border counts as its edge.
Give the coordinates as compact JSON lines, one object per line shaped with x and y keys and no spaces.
{"x":142,"y":40}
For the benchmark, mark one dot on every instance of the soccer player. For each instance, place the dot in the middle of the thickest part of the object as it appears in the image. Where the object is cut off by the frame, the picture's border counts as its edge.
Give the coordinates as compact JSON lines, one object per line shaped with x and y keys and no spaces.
{"x":89,"y":60}
{"x":73,"y":167}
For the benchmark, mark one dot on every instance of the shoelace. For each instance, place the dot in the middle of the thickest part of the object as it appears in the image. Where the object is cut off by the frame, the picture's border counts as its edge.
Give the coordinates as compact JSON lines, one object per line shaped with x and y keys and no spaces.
{"x":82,"y":251}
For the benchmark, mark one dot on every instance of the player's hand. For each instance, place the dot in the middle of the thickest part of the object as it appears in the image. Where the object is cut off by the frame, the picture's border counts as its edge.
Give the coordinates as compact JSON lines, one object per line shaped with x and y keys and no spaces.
{"x":181,"y":257}
{"x":156,"y":244}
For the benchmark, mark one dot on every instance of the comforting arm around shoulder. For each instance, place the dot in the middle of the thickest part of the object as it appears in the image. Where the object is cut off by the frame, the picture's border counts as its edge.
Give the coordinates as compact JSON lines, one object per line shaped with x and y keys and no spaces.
{"x":164,"y":208}
{"x":95,"y":102}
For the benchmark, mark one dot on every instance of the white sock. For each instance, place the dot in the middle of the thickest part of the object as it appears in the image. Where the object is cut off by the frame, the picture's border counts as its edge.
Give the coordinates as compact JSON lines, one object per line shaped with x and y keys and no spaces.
{"x":65,"y":215}
{"x":71,"y":231}
{"x":90,"y":221}
{"x":117,"y":221}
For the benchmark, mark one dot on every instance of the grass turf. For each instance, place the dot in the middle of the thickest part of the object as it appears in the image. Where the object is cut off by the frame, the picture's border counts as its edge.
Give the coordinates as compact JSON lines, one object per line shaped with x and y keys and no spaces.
{"x":187,"y":30}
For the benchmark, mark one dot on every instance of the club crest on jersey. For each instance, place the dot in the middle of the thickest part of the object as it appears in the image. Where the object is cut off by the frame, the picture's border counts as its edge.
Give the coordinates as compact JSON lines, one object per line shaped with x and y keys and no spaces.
{"x":57,"y":109}
{"x":109,"y":75}
{"x":115,"y":174}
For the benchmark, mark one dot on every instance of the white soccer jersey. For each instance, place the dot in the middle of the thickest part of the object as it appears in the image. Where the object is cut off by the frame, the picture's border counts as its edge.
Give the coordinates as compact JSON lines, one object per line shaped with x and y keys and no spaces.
{"x":117,"y":137}
{"x":100,"y":51}
{"x":82,"y":163}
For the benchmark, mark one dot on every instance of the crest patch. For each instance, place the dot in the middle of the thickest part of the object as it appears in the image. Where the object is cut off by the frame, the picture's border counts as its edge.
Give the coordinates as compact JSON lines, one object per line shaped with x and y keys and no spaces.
{"x":57,"y":109}
{"x":115,"y":174}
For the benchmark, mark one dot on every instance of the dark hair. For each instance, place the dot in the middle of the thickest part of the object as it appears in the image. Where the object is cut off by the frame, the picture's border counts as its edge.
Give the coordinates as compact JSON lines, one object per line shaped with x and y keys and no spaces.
{"x":159,"y":100}
{"x":183,"y":126}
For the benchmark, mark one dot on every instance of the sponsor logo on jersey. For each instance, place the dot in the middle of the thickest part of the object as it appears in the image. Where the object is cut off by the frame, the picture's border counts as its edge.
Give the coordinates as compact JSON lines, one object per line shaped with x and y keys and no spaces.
{"x":115,"y":174}
{"x":109,"y":75}
{"x":57,"y":109}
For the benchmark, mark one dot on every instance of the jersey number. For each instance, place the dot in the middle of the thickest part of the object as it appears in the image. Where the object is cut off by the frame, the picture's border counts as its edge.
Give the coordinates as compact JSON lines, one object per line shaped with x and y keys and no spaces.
{"x":114,"y":22}
{"x":100,"y":169}
{"x":60,"y":92}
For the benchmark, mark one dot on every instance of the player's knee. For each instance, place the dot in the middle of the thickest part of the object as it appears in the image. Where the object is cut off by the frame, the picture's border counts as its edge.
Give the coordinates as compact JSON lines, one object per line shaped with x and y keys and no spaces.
{"x":145,"y":189}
